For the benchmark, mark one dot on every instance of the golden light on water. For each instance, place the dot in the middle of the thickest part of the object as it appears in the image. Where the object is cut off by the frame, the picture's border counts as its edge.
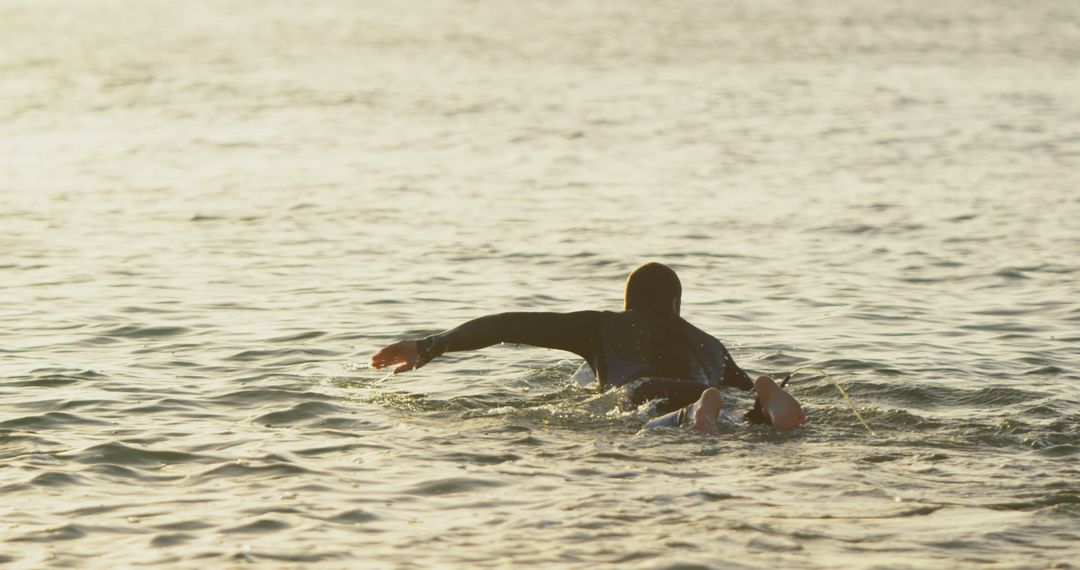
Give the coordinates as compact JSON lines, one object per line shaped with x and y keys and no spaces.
{"x":211,"y":212}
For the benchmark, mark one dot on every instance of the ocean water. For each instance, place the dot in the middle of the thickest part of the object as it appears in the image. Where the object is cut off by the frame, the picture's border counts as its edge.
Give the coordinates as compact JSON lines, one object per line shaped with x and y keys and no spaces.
{"x":213,"y":213}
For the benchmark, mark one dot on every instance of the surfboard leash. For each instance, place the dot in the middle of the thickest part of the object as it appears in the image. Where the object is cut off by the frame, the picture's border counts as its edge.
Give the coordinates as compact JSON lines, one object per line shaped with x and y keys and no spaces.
{"x":838,"y":387}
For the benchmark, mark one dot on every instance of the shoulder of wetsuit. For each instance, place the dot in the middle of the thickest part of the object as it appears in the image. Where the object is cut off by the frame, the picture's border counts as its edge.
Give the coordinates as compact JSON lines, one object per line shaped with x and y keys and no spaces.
{"x":622,"y":316}
{"x":625,"y":332}
{"x":712,"y":355}
{"x":695,"y":334}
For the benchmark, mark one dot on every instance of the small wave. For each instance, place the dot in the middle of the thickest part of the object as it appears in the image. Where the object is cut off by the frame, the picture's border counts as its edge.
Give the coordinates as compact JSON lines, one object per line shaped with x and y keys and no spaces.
{"x":1006,"y":327}
{"x":1049,"y":370}
{"x":529,"y":440}
{"x":55,"y":377}
{"x":713,"y":496}
{"x":91,"y":404}
{"x":347,"y":426}
{"x":353,"y":516}
{"x":477,"y":405}
{"x":784,"y":360}
{"x":94,"y":510}
{"x":996,"y":396}
{"x":84,"y":373}
{"x":118,"y":454}
{"x":51,"y":381}
{"x":264,"y":395}
{"x":50,"y":420}
{"x":1040,"y":502}
{"x":137,"y":331}
{"x":55,"y":534}
{"x":914,"y":394}
{"x":1065,"y":425}
{"x":191,"y":525}
{"x":344,"y":448}
{"x":851,"y":229}
{"x":883,"y":458}
{"x":479,"y":458}
{"x":849,"y":365}
{"x":299,"y":413}
{"x":452,"y":486}
{"x":298,"y":355}
{"x":260,"y":526}
{"x":262,"y":555}
{"x":170,"y":539}
{"x":1063,"y":450}
{"x":879,"y":419}
{"x":1042,"y":410}
{"x":166,"y":406}
{"x":57,"y":479}
{"x":1012,"y":274}
{"x":243,"y":469}
{"x":306,"y":335}
{"x":141,"y":309}
{"x":1045,"y":438}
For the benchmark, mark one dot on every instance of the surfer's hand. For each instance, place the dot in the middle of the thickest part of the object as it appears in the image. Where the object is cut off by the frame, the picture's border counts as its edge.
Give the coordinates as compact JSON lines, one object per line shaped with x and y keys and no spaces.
{"x":405,"y":352}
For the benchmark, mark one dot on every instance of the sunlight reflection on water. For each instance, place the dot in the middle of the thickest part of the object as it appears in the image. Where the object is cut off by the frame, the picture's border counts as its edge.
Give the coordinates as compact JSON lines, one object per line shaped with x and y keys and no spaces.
{"x":213,"y":213}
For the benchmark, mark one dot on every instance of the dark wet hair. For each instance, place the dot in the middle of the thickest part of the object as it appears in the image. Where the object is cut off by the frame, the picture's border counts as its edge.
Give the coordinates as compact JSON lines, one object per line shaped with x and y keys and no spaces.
{"x":652,"y":287}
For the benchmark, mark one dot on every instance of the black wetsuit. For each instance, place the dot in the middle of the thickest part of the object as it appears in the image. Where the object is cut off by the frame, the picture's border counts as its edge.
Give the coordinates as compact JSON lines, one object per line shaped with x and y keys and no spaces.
{"x":623,"y":349}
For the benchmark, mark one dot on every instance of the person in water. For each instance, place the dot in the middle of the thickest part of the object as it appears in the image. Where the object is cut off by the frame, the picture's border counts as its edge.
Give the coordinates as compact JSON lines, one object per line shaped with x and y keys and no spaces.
{"x":647,"y":347}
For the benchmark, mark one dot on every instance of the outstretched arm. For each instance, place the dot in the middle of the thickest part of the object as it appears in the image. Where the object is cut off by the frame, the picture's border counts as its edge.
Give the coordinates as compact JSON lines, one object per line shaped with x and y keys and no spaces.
{"x":576,"y":332}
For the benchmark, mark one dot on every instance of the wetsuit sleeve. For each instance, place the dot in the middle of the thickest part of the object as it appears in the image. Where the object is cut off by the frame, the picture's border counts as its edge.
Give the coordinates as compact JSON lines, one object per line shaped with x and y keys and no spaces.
{"x":734,"y":375}
{"x":577,"y":332}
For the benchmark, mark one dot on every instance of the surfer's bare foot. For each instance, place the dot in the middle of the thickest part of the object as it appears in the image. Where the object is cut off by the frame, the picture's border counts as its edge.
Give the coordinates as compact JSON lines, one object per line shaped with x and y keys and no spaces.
{"x":705,"y":411}
{"x":783,"y":409}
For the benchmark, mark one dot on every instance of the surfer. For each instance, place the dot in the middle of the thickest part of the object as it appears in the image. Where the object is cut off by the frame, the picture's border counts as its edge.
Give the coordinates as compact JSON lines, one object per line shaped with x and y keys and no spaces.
{"x":648,"y":347}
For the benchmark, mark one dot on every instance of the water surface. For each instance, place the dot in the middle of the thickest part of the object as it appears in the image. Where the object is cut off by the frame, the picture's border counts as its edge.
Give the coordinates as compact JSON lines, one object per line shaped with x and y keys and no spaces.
{"x":212,"y":213}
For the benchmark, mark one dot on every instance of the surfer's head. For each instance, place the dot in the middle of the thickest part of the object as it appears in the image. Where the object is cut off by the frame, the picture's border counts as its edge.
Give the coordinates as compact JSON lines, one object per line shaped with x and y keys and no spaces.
{"x":651,"y":287}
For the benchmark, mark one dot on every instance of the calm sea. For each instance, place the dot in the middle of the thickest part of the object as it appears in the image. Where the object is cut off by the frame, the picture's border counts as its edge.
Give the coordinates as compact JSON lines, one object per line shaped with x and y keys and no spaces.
{"x":213,"y":212}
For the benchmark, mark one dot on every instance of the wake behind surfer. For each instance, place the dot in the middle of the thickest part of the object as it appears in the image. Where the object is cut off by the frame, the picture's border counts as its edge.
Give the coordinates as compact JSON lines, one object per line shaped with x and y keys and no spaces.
{"x":647,"y":347}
